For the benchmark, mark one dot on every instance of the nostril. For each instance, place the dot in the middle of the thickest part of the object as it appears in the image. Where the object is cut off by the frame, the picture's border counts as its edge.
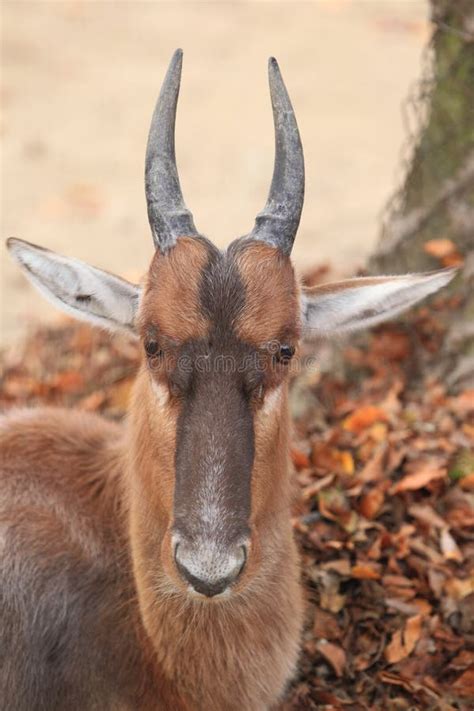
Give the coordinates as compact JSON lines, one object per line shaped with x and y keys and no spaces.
{"x":208,"y":570}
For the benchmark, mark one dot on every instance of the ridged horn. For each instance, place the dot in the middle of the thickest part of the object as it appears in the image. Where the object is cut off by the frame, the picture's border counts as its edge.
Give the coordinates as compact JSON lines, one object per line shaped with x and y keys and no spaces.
{"x":278,"y":222}
{"x":168,"y":216}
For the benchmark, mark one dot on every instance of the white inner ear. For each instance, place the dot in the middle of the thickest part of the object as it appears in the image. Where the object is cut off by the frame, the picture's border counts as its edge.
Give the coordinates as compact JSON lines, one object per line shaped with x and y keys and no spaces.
{"x":366,"y":301}
{"x":82,"y":291}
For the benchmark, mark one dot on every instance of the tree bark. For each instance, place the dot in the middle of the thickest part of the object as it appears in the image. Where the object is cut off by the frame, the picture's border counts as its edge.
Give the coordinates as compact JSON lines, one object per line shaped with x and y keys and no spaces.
{"x":437,"y":197}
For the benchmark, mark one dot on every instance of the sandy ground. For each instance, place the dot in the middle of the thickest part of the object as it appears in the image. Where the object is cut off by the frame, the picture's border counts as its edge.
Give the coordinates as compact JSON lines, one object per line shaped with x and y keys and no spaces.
{"x":79,"y":81}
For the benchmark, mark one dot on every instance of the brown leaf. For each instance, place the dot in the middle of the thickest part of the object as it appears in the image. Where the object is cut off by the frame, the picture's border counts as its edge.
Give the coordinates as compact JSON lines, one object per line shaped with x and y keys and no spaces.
{"x":426,"y":514}
{"x":373,"y":470}
{"x":68,"y":381}
{"x":317,"y":486}
{"x":372,"y":502}
{"x":463,"y":404}
{"x":425,"y":473}
{"x":403,"y":641}
{"x":467,"y":482}
{"x":341,"y":567}
{"x":334,"y":654}
{"x":449,"y":547}
{"x":325,"y":625}
{"x":300,"y":459}
{"x":464,"y":684}
{"x":364,"y":417}
{"x":366,"y":571}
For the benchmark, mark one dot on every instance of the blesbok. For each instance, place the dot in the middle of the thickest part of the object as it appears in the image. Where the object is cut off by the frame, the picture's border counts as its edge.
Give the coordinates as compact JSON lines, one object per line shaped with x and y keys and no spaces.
{"x":152,"y":565}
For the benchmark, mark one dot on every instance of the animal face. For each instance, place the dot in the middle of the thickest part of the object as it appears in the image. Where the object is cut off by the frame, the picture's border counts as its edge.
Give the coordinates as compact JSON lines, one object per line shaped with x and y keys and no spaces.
{"x":218,"y":331}
{"x":207,"y":462}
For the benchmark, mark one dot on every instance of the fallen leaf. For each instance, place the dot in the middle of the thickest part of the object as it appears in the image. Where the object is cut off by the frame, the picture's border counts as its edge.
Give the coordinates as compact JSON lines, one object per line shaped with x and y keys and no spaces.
{"x":373,"y":470}
{"x":423,"y":475}
{"x":403,"y":641}
{"x":464,"y":684}
{"x":459,"y":588}
{"x":366,"y":571}
{"x":364,"y":417}
{"x":426,"y":514}
{"x":68,"y":381}
{"x":317,"y":486}
{"x":463,"y":404}
{"x":439,"y":248}
{"x":325,"y":625}
{"x":449,"y":547}
{"x":467,"y":482}
{"x":300,"y":459}
{"x":341,"y":567}
{"x":347,"y":462}
{"x":372,"y":502}
{"x":334,"y":654}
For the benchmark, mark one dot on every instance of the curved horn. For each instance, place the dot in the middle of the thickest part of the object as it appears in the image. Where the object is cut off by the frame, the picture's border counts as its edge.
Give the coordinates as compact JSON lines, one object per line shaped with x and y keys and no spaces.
{"x":168,"y":216}
{"x":278,"y":222}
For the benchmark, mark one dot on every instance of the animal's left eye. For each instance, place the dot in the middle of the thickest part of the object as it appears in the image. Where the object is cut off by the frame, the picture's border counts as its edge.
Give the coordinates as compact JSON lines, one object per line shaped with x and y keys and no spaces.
{"x":285,"y":354}
{"x":152,"y":347}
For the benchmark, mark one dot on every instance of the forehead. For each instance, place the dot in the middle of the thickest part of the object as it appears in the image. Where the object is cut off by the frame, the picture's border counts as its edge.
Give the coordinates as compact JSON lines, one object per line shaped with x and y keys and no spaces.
{"x":195,"y":290}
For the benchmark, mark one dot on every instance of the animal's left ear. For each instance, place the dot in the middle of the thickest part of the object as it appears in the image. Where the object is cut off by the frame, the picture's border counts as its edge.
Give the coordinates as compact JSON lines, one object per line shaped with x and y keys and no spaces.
{"x":331,"y":309}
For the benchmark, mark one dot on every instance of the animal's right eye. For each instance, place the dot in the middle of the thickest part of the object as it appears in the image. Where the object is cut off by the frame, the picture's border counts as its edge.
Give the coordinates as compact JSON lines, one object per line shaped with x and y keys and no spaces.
{"x":152,"y":348}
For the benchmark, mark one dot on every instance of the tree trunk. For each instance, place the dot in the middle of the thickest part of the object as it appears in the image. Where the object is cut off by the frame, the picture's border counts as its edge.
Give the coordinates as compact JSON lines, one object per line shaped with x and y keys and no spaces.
{"x":437,"y":197}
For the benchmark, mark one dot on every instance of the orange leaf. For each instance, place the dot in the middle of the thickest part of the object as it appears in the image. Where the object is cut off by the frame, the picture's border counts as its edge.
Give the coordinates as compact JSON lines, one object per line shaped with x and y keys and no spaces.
{"x":403,"y":641}
{"x":463,"y":404}
{"x":395,"y":651}
{"x":347,"y":462}
{"x":439,"y":248}
{"x":334,"y":654}
{"x":366,"y":571}
{"x":467,"y":482}
{"x":372,"y":502}
{"x":412,"y":632}
{"x":69,"y":381}
{"x":464,"y":685}
{"x":364,"y":417}
{"x":300,"y":459}
{"x":373,"y":469}
{"x":426,"y":473}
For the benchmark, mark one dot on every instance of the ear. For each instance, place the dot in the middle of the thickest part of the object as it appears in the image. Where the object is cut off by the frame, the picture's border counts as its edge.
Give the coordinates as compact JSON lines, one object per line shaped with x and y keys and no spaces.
{"x":82,"y":291}
{"x":366,"y":301}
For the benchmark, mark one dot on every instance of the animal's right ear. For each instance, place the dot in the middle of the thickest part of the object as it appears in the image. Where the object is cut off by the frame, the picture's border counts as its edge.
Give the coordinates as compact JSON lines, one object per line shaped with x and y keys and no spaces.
{"x":82,"y":291}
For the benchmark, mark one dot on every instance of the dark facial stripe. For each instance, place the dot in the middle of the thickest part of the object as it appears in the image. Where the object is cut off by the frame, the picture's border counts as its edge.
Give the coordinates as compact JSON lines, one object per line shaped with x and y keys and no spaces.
{"x":215,"y":435}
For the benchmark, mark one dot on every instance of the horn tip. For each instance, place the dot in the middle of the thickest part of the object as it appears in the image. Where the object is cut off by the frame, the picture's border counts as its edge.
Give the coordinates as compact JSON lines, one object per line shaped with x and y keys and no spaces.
{"x":177,"y":58}
{"x":272,"y":64}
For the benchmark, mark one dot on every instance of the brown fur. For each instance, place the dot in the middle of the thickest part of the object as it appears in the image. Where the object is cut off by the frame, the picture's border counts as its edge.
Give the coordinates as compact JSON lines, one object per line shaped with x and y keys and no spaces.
{"x":87,"y":523}
{"x":171,"y":298}
{"x":271,"y":304}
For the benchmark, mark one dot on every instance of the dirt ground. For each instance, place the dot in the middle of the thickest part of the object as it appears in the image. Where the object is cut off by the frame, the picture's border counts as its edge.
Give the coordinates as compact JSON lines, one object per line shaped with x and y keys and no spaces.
{"x":79,"y":81}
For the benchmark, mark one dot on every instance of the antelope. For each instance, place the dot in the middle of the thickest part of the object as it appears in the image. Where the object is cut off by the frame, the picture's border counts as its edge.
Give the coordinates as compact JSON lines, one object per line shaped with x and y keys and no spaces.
{"x":151,"y":565}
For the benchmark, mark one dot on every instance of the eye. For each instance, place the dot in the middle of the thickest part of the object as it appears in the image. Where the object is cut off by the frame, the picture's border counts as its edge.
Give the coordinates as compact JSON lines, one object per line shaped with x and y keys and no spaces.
{"x":152,"y":348}
{"x":285,"y":354}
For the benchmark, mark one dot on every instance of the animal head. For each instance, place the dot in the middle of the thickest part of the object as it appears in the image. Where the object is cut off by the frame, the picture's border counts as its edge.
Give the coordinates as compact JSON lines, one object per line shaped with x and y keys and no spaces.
{"x":218,"y":330}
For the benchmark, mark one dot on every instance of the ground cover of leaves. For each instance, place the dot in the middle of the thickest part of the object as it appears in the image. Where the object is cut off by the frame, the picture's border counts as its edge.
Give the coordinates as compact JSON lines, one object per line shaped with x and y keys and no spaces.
{"x":384,"y":511}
